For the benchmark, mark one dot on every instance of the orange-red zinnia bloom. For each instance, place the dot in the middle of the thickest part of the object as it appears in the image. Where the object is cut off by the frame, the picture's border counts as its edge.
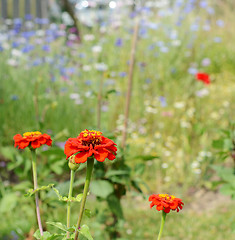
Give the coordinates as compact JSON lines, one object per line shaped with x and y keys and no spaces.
{"x":33,"y":139}
{"x":90,"y":142}
{"x":165,"y":202}
{"x":203,"y":77}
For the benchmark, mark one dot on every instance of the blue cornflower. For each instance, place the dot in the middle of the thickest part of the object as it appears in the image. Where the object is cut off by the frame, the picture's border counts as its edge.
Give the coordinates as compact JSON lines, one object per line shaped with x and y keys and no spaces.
{"x":46,"y":48}
{"x":14,"y":97}
{"x":217,"y":39}
{"x":119,"y":42}
{"x":210,"y":10}
{"x":194,"y":27}
{"x":192,"y":70}
{"x":220,"y":23}
{"x":203,"y":4}
{"x":88,"y":82}
{"x":15,"y":44}
{"x":122,"y":74}
{"x":28,"y":17}
{"x":163,"y":101}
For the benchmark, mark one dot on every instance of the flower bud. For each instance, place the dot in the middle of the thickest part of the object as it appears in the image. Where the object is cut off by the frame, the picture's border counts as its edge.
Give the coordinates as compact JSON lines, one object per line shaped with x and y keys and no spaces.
{"x":72,"y":164}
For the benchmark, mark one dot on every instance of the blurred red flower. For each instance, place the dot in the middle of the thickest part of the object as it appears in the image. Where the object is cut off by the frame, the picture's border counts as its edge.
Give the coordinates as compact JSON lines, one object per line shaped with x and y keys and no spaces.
{"x":203,"y":77}
{"x":90,"y":142}
{"x":32,"y":139}
{"x":165,"y":202}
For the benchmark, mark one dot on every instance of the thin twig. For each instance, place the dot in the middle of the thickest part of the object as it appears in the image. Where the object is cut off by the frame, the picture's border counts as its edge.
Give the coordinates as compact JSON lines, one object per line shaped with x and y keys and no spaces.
{"x":99,"y":103}
{"x":130,"y":80}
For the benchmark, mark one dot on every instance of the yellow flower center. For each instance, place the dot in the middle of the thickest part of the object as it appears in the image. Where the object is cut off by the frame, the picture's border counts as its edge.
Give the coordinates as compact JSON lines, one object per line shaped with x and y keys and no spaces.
{"x":167,"y":196}
{"x":91,"y":133}
{"x":27,"y":134}
{"x":90,"y":137}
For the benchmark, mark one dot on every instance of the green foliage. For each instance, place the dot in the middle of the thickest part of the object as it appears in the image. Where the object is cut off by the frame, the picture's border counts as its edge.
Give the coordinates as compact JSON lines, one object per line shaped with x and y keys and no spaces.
{"x":226,"y":147}
{"x":227,"y":176}
{"x":84,"y":230}
{"x":115,"y":206}
{"x":101,"y":188}
{"x":168,"y":134}
{"x":33,"y":191}
{"x":78,"y":198}
{"x":8,"y":202}
{"x":226,"y":143}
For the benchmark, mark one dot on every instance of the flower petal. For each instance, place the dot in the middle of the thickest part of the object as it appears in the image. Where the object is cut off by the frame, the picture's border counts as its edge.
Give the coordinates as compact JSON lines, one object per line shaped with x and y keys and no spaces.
{"x":100,"y":155}
{"x":35,"y":144}
{"x":81,"y":157}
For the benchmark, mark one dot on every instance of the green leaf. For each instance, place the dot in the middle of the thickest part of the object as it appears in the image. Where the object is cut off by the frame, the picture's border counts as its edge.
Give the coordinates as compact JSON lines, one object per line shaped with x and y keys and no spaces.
{"x":139,"y":168}
{"x":218,"y":144}
{"x":233,"y":227}
{"x":58,"y":225}
{"x":228,"y":145}
{"x":109,"y":92}
{"x":116,"y":172}
{"x":84,"y":230}
{"x":54,"y":151}
{"x":135,"y":184}
{"x":227,"y":189}
{"x":37,"y":234}
{"x":33,"y":191}
{"x":46,"y":235}
{"x":87,"y":212}
{"x":8,"y":202}
{"x":60,"y":197}
{"x":79,"y":197}
{"x":66,"y":199}
{"x":226,"y":174}
{"x":22,"y":186}
{"x":115,"y":206}
{"x":101,"y":188}
{"x":147,"y":157}
{"x":8,"y":152}
{"x":121,"y":180}
{"x":55,"y":236}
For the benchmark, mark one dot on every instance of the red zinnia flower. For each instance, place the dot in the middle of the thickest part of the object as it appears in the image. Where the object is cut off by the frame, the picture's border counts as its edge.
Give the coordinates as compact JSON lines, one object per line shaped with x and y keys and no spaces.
{"x":33,"y":139}
{"x":90,"y":142}
{"x":165,"y":202}
{"x":203,"y":77}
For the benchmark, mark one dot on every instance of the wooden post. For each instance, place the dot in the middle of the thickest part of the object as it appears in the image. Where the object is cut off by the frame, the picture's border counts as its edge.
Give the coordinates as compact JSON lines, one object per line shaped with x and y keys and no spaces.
{"x":4,"y":9}
{"x":16,"y":9}
{"x":27,"y":7}
{"x":38,"y":9}
{"x":44,"y":8}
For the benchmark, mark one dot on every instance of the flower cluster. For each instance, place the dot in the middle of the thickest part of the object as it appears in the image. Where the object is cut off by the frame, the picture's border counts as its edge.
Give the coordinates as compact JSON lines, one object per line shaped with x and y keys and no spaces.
{"x":32,"y":139}
{"x":165,"y":202}
{"x":88,"y":143}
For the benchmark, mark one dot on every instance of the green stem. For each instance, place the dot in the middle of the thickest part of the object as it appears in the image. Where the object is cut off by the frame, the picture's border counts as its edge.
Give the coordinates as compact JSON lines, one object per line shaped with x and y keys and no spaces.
{"x":35,"y":183}
{"x":162,"y":224}
{"x":90,"y":164}
{"x":72,"y":174}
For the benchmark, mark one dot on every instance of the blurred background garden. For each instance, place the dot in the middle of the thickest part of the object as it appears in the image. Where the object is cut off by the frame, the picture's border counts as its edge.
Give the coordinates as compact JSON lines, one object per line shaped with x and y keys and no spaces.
{"x":121,"y":67}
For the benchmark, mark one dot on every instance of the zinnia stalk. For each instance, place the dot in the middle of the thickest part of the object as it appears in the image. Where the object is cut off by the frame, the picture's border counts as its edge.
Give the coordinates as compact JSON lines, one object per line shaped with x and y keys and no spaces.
{"x":33,"y":140}
{"x":89,"y":145}
{"x":165,"y":203}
